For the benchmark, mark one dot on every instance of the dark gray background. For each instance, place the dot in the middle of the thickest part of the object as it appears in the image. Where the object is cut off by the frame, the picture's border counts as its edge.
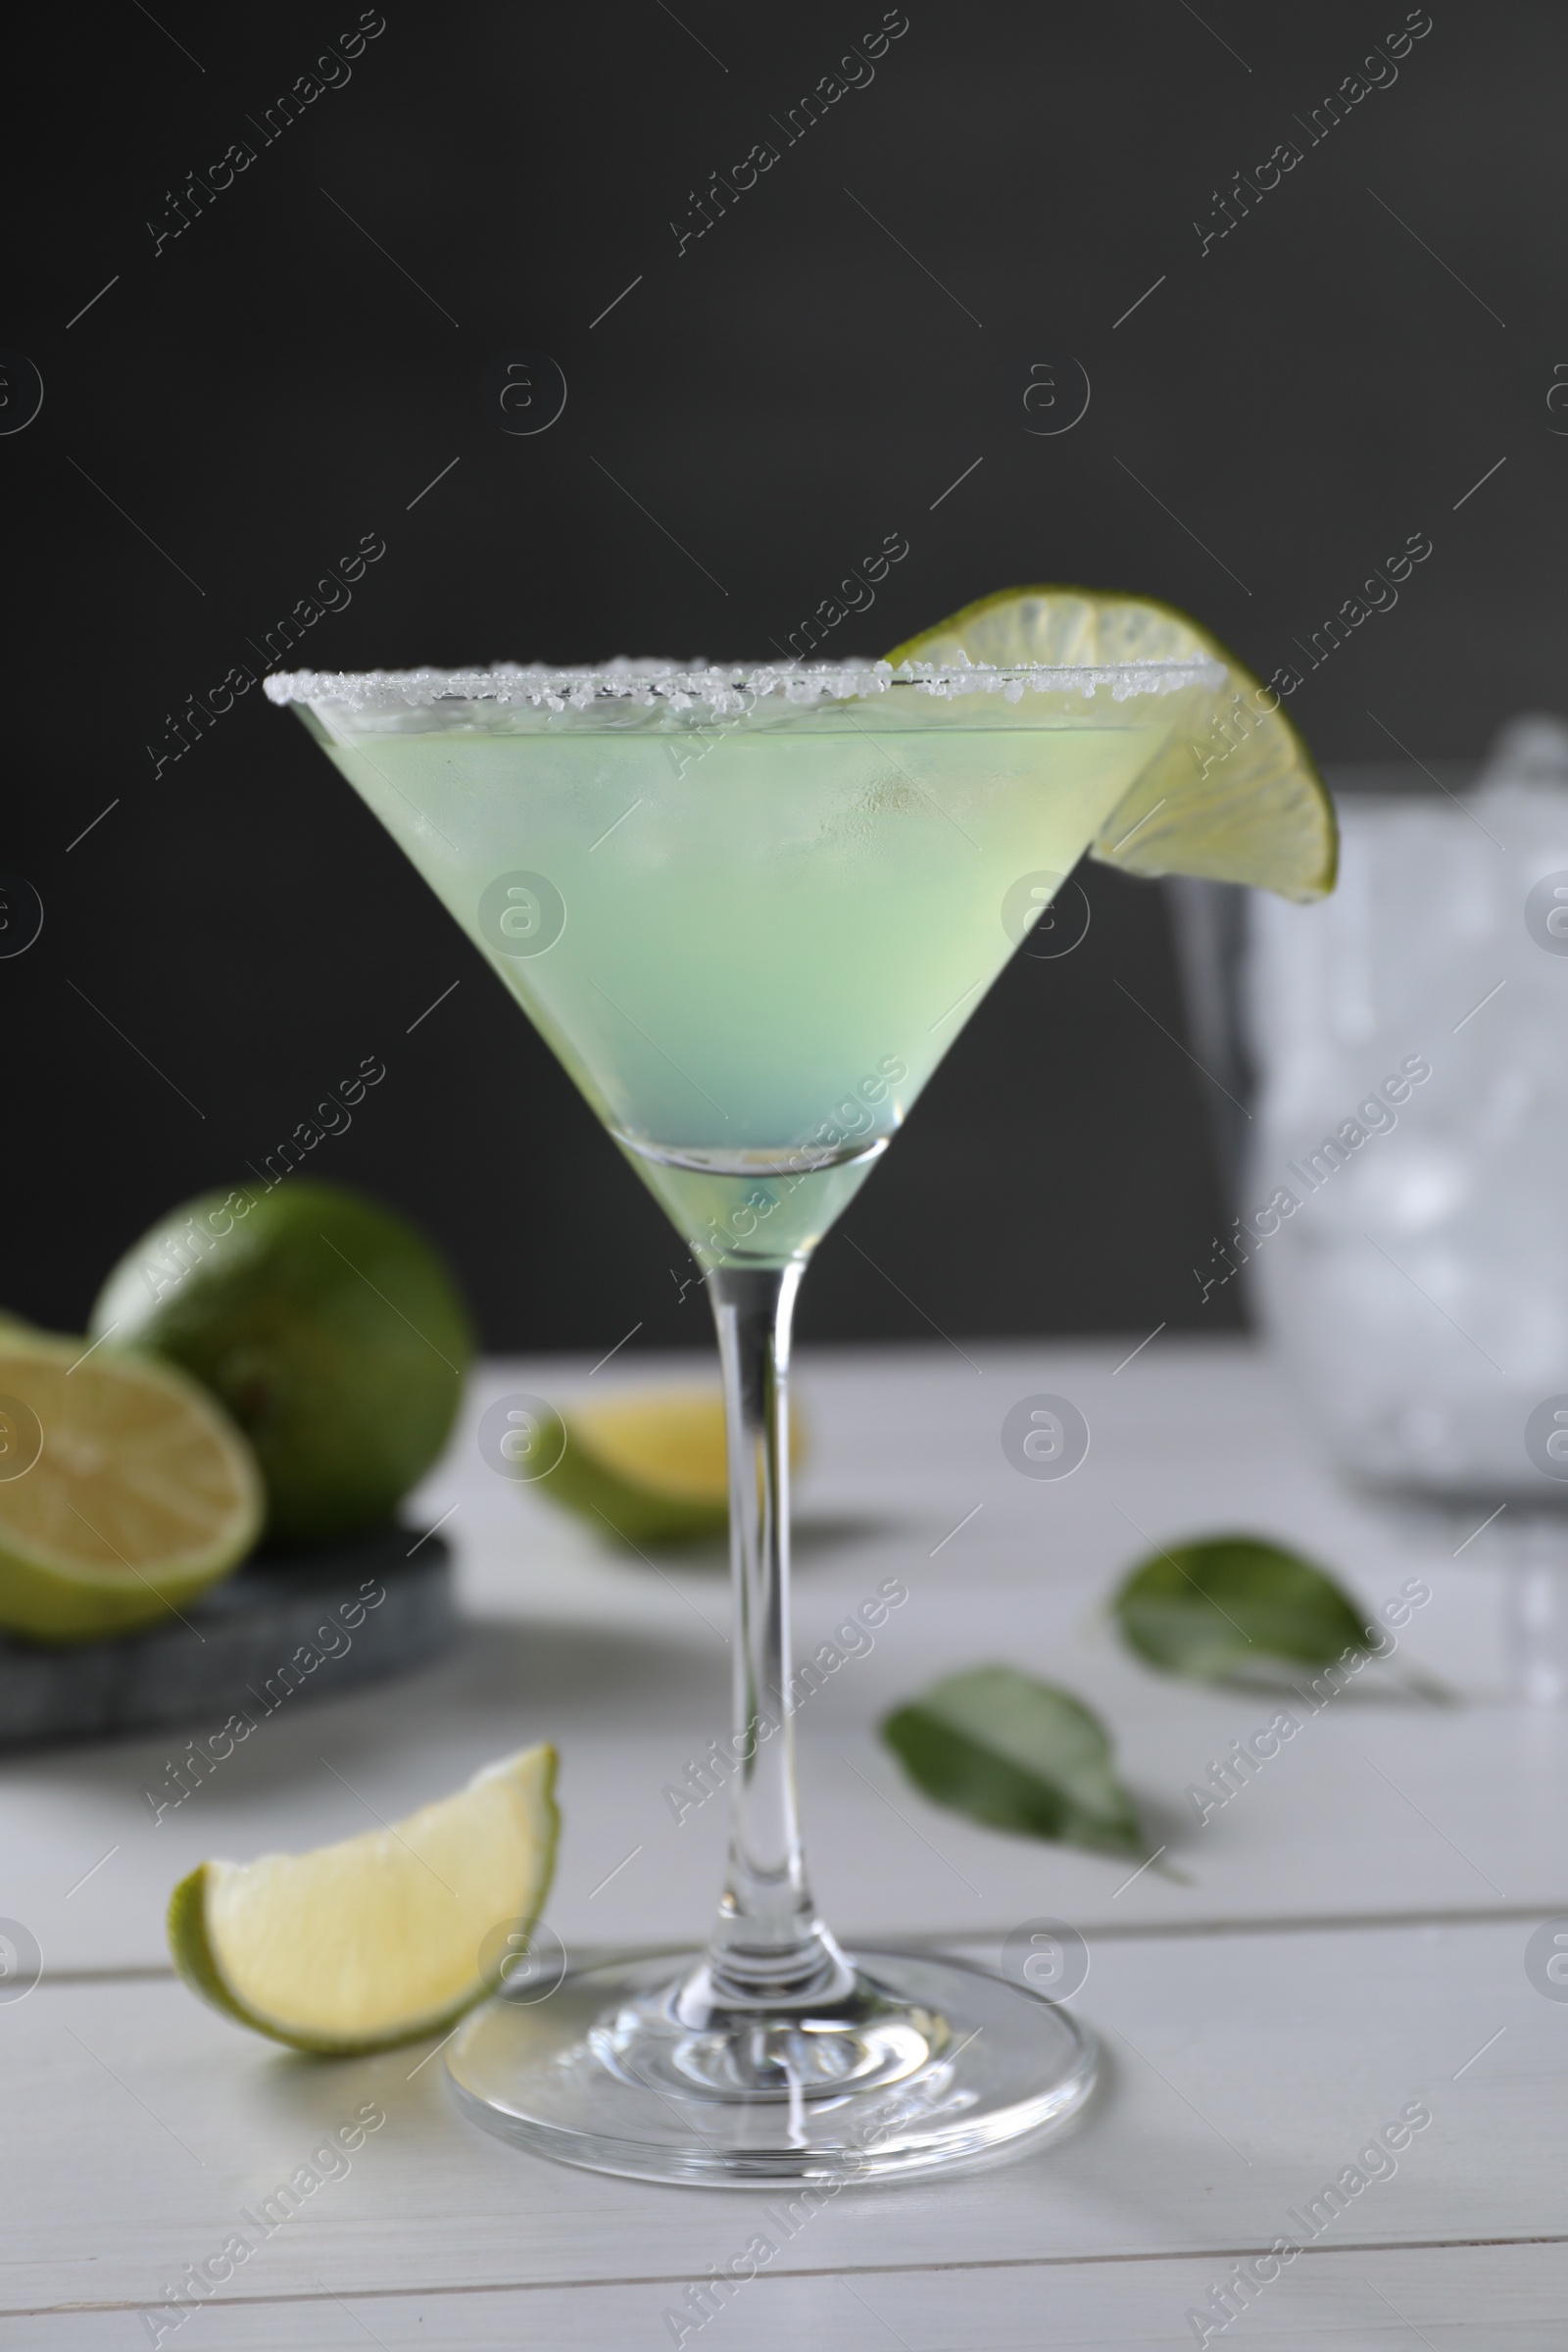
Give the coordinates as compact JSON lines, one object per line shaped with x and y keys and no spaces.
{"x":233,"y":414}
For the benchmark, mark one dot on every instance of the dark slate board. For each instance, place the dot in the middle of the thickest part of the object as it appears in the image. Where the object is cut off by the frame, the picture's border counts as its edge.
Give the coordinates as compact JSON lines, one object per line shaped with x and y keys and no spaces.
{"x":253,"y":1628}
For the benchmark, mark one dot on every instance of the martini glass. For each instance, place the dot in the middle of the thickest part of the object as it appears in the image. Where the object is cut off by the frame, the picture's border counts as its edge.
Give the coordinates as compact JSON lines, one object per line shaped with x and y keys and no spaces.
{"x":749,"y":909}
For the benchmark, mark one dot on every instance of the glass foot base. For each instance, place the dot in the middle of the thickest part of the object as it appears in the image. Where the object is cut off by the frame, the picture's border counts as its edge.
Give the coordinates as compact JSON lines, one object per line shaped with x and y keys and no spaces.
{"x":925,"y":2064}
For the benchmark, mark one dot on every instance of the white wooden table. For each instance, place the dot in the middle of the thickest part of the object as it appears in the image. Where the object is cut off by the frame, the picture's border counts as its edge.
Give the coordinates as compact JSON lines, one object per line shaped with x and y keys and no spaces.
{"x":1346,"y":1938}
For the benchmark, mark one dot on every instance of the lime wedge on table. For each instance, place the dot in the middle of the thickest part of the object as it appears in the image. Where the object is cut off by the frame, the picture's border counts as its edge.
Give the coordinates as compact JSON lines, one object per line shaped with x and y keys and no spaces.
{"x":382,"y":1939}
{"x":649,"y":1468}
{"x":1231,"y":796}
{"x":125,"y":1490}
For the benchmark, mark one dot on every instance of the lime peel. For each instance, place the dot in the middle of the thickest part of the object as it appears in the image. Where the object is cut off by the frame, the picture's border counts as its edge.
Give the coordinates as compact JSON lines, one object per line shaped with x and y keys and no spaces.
{"x":328,"y":1327}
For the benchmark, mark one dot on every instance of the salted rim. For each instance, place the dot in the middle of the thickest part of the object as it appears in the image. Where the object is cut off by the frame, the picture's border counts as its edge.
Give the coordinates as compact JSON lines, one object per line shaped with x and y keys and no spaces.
{"x":722,"y":687}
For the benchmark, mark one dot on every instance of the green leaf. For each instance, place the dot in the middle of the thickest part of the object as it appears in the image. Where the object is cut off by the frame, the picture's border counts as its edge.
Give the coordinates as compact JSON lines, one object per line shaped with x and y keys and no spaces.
{"x":1233,"y":1606}
{"x":1018,"y":1755}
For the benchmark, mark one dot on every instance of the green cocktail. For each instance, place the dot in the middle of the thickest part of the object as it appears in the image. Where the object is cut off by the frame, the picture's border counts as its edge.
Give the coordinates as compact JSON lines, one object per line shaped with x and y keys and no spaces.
{"x":749,"y":911}
{"x":749,"y":937}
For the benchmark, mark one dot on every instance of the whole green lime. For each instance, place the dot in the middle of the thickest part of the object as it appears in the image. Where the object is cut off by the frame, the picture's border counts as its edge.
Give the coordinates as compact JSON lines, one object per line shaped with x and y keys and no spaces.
{"x":331,"y":1329}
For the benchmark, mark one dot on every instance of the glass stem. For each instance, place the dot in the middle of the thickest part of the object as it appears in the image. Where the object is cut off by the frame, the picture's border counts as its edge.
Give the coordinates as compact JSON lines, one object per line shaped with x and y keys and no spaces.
{"x":769,"y":1948}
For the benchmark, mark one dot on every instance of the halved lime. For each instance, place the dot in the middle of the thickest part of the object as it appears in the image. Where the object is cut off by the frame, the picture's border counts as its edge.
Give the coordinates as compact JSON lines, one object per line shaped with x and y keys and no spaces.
{"x":125,"y":1490}
{"x":1232,"y":795}
{"x":381,"y":1938}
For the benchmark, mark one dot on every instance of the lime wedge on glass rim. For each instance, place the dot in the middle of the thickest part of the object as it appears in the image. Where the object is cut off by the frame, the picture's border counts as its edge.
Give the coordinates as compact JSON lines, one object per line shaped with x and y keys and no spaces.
{"x":384,"y":1938}
{"x":1231,"y":796}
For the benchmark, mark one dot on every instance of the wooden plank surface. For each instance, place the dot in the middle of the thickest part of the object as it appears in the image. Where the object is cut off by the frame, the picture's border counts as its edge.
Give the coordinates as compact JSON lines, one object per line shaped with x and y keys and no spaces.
{"x":1347,"y":1937}
{"x":1245,"y":2072}
{"x":1505,"y":2299}
{"x":1384,"y":1805}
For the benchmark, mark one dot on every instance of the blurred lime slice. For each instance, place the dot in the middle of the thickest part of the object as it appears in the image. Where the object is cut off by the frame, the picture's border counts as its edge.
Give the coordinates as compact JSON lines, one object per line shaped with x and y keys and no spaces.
{"x":125,"y":1490}
{"x":650,"y":1468}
